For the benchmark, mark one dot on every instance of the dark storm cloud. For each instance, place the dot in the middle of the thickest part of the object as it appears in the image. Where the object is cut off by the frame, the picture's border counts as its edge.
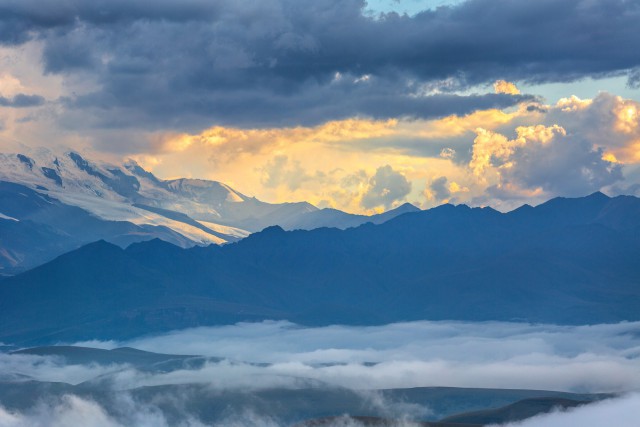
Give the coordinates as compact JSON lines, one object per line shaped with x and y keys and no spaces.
{"x":310,"y":104}
{"x":22,"y":101}
{"x":185,"y":64}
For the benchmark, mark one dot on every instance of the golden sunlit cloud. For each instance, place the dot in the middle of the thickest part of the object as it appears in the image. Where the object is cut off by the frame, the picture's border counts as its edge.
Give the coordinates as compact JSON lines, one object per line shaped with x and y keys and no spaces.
{"x":539,"y":133}
{"x":319,"y":164}
{"x":454,"y":187}
{"x":627,"y":154}
{"x":232,"y":142}
{"x":489,"y":146}
{"x":610,"y":157}
{"x":503,"y":86}
{"x":237,"y":141}
{"x":573,"y":103}
{"x":453,"y":125}
{"x":627,"y":117}
{"x":618,"y":128}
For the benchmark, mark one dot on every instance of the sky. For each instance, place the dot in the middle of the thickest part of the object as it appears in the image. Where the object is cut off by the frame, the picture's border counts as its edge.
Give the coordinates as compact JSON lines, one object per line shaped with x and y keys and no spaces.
{"x":355,"y":105}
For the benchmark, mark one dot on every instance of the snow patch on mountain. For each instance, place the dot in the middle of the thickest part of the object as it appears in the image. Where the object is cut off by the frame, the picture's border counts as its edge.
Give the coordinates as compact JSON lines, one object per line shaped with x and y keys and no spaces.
{"x":231,"y":231}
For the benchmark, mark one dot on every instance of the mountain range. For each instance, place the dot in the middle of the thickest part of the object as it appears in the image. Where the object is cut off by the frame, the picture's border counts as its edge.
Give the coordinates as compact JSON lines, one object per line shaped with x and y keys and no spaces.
{"x":51,"y":203}
{"x":567,"y":261}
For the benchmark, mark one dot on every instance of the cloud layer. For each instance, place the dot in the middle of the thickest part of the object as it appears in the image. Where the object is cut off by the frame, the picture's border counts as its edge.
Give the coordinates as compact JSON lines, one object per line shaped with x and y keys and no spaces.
{"x":599,"y":358}
{"x":499,"y":157}
{"x":290,"y":102}
{"x":278,"y":63}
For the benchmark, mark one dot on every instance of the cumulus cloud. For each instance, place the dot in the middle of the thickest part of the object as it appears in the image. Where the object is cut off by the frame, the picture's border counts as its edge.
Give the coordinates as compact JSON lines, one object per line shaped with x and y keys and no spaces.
{"x":491,"y":149}
{"x":543,"y":158}
{"x":612,"y":123}
{"x":386,"y":186}
{"x":503,"y":86}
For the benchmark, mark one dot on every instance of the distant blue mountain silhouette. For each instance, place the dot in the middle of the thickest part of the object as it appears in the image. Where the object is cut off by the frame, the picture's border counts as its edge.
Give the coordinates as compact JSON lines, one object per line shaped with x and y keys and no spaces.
{"x":567,"y":261}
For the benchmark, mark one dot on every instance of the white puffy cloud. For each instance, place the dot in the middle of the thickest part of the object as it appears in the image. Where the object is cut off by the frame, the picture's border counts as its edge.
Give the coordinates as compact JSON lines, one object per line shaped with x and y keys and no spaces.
{"x":542,"y":158}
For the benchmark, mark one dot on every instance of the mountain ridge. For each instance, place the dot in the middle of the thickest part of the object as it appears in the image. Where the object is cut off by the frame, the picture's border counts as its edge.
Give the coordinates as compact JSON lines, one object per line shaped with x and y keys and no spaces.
{"x":561,"y":263}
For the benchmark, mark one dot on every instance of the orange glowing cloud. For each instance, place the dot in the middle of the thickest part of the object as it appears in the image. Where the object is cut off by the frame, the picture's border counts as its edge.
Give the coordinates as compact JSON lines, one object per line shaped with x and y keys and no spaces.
{"x":619,"y":130}
{"x":459,"y":125}
{"x":573,"y":103}
{"x":627,"y":117}
{"x":234,"y":141}
{"x":489,"y":145}
{"x":503,"y":86}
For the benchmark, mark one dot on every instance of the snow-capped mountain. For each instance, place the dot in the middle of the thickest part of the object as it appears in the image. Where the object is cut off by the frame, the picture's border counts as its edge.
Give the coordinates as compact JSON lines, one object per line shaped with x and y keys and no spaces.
{"x":53,"y":202}
{"x":216,"y":212}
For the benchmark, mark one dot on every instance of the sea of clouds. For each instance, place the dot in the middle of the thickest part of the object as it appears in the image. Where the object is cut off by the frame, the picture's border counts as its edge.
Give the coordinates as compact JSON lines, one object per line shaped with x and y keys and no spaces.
{"x":598,"y":358}
{"x":254,"y":356}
